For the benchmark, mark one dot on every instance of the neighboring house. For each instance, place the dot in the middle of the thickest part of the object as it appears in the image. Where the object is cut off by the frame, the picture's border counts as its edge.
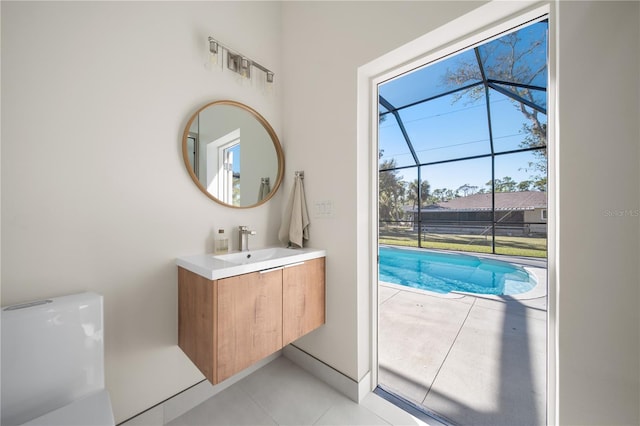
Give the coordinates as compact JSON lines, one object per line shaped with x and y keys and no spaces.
{"x":516,"y":213}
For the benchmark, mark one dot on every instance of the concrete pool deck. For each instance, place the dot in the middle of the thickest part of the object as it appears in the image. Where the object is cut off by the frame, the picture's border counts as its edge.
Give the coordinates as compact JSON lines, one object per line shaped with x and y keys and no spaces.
{"x":472,"y":359}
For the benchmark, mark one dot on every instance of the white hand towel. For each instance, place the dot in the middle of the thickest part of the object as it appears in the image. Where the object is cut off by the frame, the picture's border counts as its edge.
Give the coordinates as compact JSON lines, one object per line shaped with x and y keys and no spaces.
{"x":264,"y":190}
{"x":295,"y":222}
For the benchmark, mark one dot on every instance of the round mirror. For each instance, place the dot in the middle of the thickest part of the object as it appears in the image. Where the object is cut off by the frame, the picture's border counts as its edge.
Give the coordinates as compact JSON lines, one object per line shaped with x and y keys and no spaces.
{"x":233,"y":155}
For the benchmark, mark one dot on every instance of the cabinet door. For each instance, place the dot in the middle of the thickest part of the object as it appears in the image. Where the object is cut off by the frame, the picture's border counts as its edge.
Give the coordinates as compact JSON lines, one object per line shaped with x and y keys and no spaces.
{"x":196,"y":313}
{"x":249,"y":320}
{"x":303,"y":294}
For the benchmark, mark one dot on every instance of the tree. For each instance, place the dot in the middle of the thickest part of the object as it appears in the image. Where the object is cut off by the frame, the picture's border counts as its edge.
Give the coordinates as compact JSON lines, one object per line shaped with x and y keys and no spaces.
{"x":391,"y":191}
{"x":540,"y":184}
{"x":437,"y":195}
{"x":506,"y":184}
{"x":450,"y":194}
{"x":442,"y":194}
{"x":467,"y":189}
{"x":412,"y":193}
{"x":510,"y":59}
{"x":525,"y":185}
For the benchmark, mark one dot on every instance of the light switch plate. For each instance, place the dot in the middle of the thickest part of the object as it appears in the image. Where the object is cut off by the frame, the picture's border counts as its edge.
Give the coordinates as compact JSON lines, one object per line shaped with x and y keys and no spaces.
{"x":324,"y":209}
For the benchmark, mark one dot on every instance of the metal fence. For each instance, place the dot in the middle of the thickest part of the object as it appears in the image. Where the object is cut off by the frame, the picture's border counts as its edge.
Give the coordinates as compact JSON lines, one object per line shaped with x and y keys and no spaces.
{"x":523,"y":238}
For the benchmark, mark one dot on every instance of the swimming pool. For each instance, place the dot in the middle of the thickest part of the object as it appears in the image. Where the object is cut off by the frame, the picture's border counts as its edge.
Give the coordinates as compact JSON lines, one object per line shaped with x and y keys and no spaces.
{"x":447,"y":272}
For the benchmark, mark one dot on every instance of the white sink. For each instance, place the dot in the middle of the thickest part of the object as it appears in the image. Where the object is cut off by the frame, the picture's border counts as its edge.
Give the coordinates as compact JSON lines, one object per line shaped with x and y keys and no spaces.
{"x":215,"y":267}
{"x":253,"y":256}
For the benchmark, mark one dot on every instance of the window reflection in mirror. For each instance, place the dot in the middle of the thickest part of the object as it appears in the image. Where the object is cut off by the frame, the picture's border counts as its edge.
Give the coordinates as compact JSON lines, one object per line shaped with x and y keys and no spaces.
{"x":233,"y":154}
{"x":228,"y":168}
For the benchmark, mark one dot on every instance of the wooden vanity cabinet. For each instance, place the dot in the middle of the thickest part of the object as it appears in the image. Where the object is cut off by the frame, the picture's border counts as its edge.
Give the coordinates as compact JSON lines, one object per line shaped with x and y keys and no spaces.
{"x":249,"y":320}
{"x":303,"y":298}
{"x":226,"y":325}
{"x":197,"y":307}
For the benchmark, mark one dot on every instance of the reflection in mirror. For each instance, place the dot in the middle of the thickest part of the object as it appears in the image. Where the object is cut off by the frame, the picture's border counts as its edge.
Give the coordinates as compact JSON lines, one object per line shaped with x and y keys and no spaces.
{"x":233,"y":154}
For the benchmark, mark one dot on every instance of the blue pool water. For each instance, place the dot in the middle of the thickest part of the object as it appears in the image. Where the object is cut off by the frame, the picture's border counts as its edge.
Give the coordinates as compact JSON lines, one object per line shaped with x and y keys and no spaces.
{"x":446,"y":272}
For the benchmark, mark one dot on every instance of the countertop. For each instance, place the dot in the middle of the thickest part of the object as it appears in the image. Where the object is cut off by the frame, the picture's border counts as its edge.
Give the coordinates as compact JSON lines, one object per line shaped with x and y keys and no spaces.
{"x":213,"y":268}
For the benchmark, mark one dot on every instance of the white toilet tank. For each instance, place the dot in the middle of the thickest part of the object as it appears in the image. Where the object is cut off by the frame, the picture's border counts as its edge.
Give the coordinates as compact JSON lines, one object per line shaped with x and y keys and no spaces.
{"x":53,"y":362}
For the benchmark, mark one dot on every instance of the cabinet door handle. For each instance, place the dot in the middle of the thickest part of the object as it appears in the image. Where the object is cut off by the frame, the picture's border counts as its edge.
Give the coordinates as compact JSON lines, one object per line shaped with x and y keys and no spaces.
{"x":294,"y":264}
{"x":264,"y":271}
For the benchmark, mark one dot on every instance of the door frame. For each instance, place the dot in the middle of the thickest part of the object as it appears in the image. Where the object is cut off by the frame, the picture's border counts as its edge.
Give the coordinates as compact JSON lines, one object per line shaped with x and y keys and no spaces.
{"x":476,"y":26}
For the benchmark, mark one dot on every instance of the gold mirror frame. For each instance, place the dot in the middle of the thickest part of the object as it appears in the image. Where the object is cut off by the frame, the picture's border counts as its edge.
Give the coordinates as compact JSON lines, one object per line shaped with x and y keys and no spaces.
{"x":270,"y":132}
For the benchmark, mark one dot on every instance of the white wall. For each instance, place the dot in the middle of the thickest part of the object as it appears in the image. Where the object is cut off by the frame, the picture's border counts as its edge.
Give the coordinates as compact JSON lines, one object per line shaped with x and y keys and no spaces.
{"x":324,"y":43}
{"x":95,"y":194}
{"x":598,"y":202}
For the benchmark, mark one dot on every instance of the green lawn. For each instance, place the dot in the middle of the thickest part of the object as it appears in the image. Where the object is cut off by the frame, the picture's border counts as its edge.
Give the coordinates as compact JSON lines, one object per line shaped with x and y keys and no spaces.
{"x":512,"y":246}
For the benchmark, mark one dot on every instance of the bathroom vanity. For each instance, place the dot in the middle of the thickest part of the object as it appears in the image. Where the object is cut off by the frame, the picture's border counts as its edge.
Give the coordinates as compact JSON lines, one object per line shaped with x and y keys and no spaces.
{"x":236,"y":309}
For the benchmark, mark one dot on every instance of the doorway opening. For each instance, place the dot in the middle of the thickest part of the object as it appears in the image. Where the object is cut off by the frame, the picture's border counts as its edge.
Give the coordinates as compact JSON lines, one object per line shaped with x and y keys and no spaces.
{"x":462,"y":189}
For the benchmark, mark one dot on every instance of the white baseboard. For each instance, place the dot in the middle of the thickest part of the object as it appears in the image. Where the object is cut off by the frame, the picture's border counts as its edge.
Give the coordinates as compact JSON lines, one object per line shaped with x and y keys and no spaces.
{"x":352,"y":389}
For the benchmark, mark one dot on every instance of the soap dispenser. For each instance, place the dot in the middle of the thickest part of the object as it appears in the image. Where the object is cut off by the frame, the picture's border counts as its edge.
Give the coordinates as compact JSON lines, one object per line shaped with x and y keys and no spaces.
{"x":221,"y":243}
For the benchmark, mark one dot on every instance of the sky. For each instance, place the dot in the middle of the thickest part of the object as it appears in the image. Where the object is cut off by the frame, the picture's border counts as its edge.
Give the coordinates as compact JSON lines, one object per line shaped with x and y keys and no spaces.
{"x":454,"y":126}
{"x":458,"y":132}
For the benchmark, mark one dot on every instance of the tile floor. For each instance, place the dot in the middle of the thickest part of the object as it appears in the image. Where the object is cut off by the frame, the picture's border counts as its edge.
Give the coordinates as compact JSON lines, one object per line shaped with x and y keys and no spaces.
{"x":281,"y":393}
{"x":471,"y":360}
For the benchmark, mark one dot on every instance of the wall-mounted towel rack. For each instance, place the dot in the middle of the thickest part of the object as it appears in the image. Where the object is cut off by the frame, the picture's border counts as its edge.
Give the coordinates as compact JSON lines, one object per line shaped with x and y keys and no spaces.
{"x":300,"y":173}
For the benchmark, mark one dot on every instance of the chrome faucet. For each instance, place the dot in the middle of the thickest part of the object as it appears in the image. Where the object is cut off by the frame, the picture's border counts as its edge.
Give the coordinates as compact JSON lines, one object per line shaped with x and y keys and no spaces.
{"x":243,"y":233}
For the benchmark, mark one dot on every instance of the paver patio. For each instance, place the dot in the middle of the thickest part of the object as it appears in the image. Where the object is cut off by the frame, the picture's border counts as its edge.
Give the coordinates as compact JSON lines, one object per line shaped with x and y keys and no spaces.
{"x":473,"y":360}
